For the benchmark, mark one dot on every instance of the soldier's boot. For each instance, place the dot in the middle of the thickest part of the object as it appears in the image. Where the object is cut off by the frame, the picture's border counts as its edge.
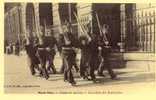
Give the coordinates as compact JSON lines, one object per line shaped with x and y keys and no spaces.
{"x":65,"y":76}
{"x":53,"y":68}
{"x":45,"y":73}
{"x":32,"y":69}
{"x":101,"y":69}
{"x":92,"y":75}
{"x":71,"y":78}
{"x":86,"y":76}
{"x":111,"y":73}
{"x":41,"y":73}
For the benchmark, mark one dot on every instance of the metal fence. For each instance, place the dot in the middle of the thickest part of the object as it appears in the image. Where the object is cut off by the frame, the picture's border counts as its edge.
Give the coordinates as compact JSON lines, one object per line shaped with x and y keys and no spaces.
{"x":140,"y":30}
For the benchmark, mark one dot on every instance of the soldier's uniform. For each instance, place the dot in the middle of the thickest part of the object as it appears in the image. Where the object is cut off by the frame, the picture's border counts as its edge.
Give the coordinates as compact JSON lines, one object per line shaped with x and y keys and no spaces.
{"x":42,"y":55}
{"x":85,"y":57}
{"x":68,"y":52}
{"x":105,"y":54}
{"x":60,"y":46}
{"x":50,"y":42}
{"x":31,"y":52}
{"x":94,"y":56}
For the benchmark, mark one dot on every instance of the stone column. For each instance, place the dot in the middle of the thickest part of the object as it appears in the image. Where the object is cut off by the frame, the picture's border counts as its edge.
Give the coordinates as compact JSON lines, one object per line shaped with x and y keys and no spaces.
{"x":37,"y":19}
{"x":23,"y":18}
{"x":123,"y":27}
{"x":56,"y":19}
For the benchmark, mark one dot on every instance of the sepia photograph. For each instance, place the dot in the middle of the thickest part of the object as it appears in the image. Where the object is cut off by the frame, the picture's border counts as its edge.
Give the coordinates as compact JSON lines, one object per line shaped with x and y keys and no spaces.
{"x":79,"y":48}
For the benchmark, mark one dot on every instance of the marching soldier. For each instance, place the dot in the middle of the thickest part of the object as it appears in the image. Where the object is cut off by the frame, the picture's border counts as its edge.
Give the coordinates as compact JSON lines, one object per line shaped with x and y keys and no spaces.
{"x":85,"y":52}
{"x":60,"y":46}
{"x":93,"y":56}
{"x":68,"y":51}
{"x":50,"y":42}
{"x":85,"y":57}
{"x":32,"y":58}
{"x":105,"y":52}
{"x":42,"y":55}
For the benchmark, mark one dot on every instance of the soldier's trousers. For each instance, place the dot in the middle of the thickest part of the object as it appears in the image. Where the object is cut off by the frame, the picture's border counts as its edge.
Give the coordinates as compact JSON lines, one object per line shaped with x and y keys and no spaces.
{"x":43,"y":62}
{"x":50,"y":60}
{"x":74,"y":64}
{"x":84,"y":64}
{"x":68,"y":64}
{"x":105,"y":64}
{"x":93,"y":65}
{"x":33,"y":64}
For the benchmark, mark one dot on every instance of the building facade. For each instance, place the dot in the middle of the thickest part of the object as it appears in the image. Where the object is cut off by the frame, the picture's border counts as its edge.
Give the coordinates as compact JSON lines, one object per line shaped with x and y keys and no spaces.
{"x":132,"y":25}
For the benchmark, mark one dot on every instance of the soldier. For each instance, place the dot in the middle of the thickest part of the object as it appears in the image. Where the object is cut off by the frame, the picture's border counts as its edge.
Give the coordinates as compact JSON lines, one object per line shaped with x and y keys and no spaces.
{"x":6,"y":44}
{"x":105,"y":52}
{"x":68,"y":55}
{"x":85,"y":52}
{"x":32,"y":58}
{"x":42,"y":55}
{"x":93,"y":56}
{"x":50,"y":42}
{"x":85,"y":57}
{"x":60,"y":43}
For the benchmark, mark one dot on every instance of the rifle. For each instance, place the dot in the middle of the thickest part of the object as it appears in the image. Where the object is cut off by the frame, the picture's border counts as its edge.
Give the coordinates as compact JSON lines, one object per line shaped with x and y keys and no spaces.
{"x":101,"y":32}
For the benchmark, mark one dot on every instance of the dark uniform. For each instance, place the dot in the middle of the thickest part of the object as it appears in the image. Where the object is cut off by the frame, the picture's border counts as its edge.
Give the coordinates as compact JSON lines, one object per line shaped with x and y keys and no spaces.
{"x":50,"y":42}
{"x":68,"y":53}
{"x":85,"y":57}
{"x":94,"y":56}
{"x":60,"y":46}
{"x":31,"y":52}
{"x":42,"y":55}
{"x":105,"y":53}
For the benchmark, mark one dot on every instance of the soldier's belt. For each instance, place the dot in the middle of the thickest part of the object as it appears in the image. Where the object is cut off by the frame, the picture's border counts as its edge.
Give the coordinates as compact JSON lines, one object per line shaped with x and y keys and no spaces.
{"x":41,"y":48}
{"x":68,"y":48}
{"x":45,"y":48}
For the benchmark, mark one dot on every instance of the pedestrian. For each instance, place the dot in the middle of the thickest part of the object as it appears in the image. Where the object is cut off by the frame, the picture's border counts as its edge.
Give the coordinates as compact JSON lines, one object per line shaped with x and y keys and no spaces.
{"x":17,"y":48}
{"x":6,"y":44}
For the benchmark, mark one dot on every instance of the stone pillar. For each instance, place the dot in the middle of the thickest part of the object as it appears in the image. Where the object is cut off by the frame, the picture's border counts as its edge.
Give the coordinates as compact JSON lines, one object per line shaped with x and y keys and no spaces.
{"x":23,"y":19}
{"x":154,"y":31}
{"x":37,"y":19}
{"x":123,"y":27}
{"x":56,"y":19}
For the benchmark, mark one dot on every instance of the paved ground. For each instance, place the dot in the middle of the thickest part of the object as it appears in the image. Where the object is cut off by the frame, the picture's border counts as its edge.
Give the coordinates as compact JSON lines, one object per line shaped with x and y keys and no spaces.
{"x":136,"y":77}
